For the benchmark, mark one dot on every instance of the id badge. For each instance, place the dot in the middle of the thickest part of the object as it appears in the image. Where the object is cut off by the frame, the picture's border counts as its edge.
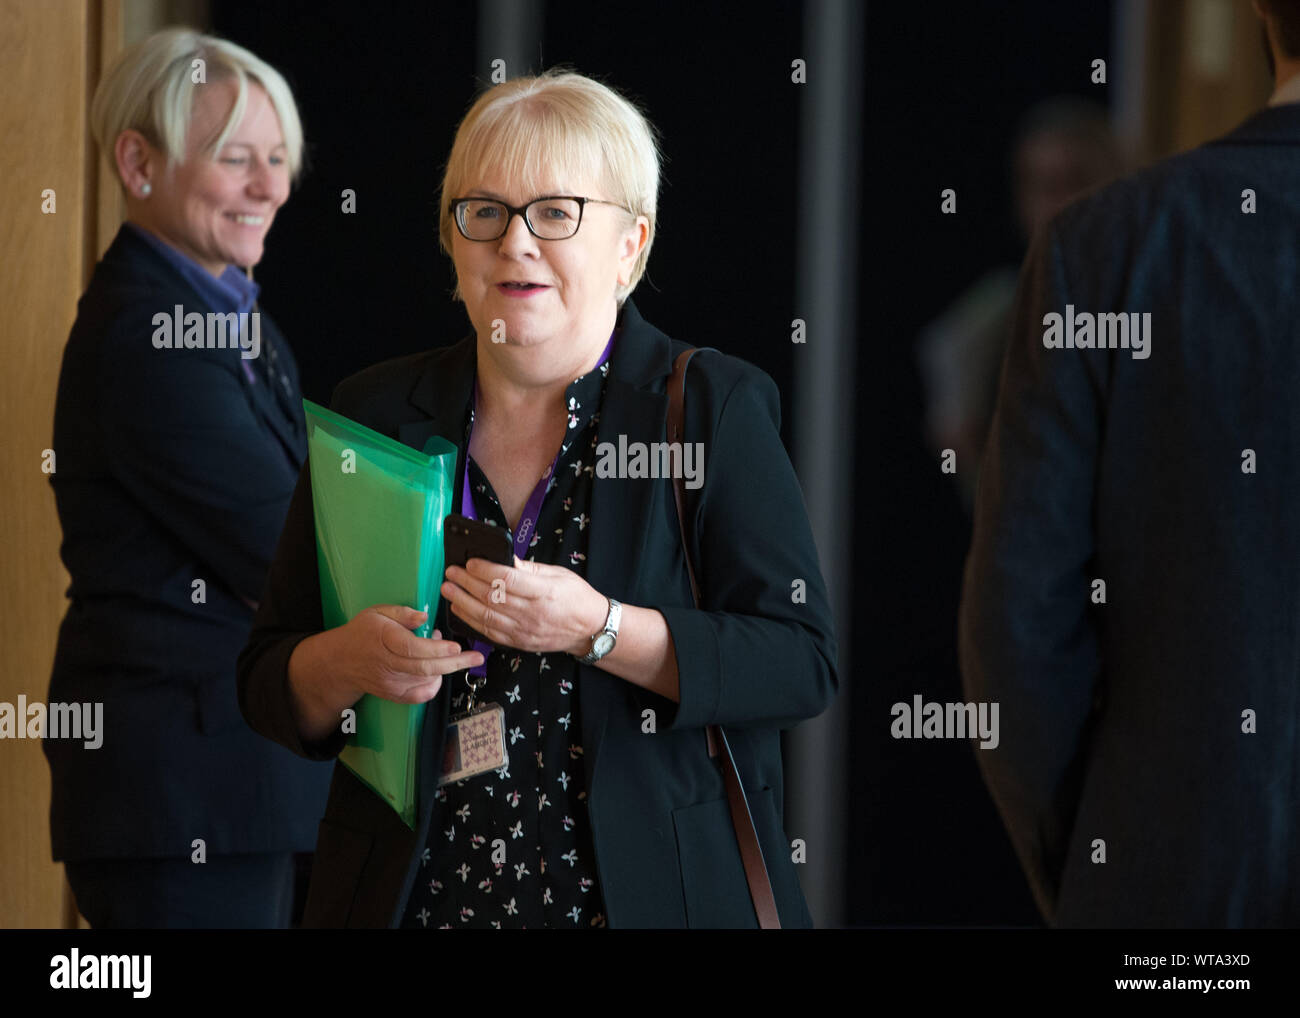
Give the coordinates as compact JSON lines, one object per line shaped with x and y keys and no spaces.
{"x":476,"y":744}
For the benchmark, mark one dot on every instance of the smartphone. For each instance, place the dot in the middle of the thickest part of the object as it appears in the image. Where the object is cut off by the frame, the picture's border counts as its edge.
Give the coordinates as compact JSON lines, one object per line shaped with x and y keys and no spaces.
{"x":462,"y":540}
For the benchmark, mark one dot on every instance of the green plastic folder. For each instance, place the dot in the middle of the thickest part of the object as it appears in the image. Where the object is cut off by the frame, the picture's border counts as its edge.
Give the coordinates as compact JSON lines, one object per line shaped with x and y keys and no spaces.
{"x":379,"y":507}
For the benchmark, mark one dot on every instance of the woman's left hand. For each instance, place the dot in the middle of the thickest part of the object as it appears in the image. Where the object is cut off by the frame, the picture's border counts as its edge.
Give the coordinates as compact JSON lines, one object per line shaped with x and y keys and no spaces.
{"x":533,"y":606}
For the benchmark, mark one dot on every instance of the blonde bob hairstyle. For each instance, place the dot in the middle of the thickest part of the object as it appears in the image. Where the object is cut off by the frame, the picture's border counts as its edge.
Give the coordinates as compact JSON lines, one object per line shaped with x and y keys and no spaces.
{"x":150,"y":88}
{"x":563,"y":124}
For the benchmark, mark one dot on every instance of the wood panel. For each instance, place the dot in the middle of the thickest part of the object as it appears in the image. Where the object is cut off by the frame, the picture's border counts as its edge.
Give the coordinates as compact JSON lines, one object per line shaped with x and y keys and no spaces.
{"x":51,"y":55}
{"x":44,"y":64}
{"x":1205,"y":72}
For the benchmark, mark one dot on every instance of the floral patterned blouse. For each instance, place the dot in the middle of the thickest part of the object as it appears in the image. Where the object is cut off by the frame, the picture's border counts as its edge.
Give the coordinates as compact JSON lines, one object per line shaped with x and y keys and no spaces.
{"x":535,"y":806}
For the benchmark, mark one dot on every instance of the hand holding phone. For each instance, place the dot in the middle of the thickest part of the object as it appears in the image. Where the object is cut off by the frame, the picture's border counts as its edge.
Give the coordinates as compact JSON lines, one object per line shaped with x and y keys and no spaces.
{"x":464,"y":539}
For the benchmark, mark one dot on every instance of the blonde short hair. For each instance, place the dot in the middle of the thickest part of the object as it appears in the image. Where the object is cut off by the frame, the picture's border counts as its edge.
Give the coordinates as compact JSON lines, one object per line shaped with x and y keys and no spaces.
{"x":530,"y":126}
{"x":149,"y":88}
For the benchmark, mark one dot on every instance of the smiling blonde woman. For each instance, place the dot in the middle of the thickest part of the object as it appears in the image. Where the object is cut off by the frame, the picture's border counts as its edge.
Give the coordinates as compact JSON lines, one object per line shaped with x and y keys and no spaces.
{"x":175,"y":466}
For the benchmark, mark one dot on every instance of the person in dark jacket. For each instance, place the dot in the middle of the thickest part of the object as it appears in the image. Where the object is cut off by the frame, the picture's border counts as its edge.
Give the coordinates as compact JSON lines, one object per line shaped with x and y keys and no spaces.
{"x":179,"y":434}
{"x":609,"y":810}
{"x":1131,"y":598}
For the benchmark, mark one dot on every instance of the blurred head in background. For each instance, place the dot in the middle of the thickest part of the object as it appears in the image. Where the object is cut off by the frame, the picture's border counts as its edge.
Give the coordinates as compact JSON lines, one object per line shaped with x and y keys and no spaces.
{"x":1064,"y":146}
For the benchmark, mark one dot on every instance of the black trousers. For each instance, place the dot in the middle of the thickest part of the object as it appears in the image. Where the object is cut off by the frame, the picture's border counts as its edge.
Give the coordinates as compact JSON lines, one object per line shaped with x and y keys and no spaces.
{"x":262,"y":891}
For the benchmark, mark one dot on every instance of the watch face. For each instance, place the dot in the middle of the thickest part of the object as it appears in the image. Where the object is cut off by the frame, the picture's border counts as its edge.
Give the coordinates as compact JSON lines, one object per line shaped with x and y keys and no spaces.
{"x":604,"y":644}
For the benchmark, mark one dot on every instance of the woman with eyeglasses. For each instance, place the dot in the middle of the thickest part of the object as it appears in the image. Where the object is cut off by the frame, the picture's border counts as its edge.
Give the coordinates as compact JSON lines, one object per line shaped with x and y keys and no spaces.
{"x":610,"y":810}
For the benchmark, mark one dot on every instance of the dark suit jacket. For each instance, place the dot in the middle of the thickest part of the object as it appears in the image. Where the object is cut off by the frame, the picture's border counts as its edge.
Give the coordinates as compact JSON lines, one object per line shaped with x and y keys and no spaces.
{"x":1123,"y":722}
{"x":753,"y":660}
{"x":171,"y":467}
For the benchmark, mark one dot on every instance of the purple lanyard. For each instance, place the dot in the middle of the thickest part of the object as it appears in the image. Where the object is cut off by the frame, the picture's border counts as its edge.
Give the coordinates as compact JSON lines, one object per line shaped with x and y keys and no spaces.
{"x":532,"y":508}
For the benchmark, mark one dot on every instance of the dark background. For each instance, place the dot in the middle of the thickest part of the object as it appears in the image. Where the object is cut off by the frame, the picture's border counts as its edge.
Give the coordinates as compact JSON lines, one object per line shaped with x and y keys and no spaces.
{"x":381,"y":88}
{"x":946,"y":87}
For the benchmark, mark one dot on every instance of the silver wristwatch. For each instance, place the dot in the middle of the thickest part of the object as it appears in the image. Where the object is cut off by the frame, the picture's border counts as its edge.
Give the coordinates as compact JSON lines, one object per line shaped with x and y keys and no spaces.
{"x":603,"y":642}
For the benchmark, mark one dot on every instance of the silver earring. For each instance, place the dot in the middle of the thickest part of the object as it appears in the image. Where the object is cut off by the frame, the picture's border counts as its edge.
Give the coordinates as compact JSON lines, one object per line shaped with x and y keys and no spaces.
{"x":146,"y":189}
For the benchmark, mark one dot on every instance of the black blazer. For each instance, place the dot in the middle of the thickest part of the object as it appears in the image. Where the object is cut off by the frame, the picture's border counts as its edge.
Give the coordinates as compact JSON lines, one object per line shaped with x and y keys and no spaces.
{"x":1122,"y":722}
{"x":170,"y":467}
{"x":753,"y":660}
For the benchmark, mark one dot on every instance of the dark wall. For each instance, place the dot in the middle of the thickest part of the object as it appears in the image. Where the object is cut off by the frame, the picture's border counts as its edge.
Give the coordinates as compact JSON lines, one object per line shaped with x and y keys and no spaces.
{"x":946,"y":86}
{"x":380,"y":88}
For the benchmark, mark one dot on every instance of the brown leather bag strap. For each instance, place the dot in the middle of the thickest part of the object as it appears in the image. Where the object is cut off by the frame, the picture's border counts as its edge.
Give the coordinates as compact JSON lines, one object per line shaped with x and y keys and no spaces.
{"x":676,"y":433}
{"x":751,"y":853}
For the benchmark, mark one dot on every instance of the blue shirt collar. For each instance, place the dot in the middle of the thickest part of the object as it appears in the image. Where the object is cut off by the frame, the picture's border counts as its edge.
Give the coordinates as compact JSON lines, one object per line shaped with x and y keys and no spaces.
{"x":234,"y":291}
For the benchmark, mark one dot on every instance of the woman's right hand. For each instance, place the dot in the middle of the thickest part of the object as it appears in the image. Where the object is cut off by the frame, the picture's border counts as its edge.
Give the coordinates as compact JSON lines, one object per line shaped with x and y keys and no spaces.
{"x":376,"y":653}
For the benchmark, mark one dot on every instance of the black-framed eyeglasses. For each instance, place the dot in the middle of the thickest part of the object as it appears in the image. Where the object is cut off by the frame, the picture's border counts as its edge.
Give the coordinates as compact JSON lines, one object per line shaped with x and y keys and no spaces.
{"x":555,"y":217}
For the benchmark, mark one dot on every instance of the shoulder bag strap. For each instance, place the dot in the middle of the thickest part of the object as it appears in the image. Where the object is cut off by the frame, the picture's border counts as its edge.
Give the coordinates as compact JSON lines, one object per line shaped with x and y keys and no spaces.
{"x":760,"y":888}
